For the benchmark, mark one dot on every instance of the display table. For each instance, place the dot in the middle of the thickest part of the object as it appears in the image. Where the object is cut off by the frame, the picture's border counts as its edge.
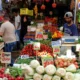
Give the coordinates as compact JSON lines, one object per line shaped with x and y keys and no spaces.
{"x":69,"y":44}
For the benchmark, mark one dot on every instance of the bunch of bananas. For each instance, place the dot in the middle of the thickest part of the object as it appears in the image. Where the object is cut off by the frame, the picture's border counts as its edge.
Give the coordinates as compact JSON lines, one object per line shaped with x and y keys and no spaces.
{"x":36,"y":11}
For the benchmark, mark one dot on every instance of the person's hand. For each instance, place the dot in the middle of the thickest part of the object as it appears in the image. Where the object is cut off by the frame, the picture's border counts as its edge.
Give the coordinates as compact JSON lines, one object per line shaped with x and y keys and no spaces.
{"x":25,"y":19}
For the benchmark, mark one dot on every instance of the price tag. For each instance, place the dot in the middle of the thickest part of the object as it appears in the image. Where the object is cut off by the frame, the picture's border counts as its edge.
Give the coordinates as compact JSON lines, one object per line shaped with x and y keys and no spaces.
{"x":78,"y":47}
{"x":56,"y":50}
{"x":39,"y":34}
{"x":6,"y":57}
{"x":36,"y":46}
{"x":24,"y":56}
{"x":56,"y":43}
{"x":47,"y":61}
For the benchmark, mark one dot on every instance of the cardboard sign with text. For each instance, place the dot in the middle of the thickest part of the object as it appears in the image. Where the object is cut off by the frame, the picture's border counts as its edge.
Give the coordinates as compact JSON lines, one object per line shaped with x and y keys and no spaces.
{"x":39,"y":34}
{"x":24,"y":56}
{"x":36,"y":46}
{"x":56,"y":43}
{"x":47,"y":61}
{"x":78,"y":47}
{"x":56,"y":50}
{"x":6,"y":57}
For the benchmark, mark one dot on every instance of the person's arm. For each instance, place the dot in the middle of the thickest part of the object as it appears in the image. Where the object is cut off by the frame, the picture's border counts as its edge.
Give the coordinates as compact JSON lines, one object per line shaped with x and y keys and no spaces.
{"x":1,"y":34}
{"x":75,"y":31}
{"x":2,"y":29}
{"x":18,"y":21}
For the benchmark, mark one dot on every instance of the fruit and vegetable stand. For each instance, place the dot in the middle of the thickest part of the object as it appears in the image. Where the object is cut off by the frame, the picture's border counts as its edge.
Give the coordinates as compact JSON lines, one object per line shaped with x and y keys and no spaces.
{"x":42,"y":59}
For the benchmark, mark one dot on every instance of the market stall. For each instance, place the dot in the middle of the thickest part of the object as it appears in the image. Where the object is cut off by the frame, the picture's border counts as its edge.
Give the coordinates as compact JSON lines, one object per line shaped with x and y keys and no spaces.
{"x":47,"y":54}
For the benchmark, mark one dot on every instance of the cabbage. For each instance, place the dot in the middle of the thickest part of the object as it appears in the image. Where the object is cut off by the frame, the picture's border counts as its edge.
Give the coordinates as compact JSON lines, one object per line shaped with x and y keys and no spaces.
{"x":61,"y":72}
{"x":77,"y":76}
{"x":40,"y":69}
{"x":34,"y":64}
{"x":47,"y":77}
{"x":1,"y":79}
{"x":50,"y":69}
{"x":71,"y":68}
{"x":28,"y":77}
{"x":56,"y":78}
{"x":23,"y":66}
{"x":37,"y":76}
{"x":28,"y":70}
{"x":69,"y":76}
{"x":7,"y":71}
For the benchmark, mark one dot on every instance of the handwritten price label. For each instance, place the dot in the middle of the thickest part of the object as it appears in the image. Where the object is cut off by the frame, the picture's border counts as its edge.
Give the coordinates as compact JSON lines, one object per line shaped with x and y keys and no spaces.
{"x":47,"y":61}
{"x":36,"y":46}
{"x":39,"y":34}
{"x":24,"y":56}
{"x":56,"y":50}
{"x":78,"y":47}
{"x":6,"y":57}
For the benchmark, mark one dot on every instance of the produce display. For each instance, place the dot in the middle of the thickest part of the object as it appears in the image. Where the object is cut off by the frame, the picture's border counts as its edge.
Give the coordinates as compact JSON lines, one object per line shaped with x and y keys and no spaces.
{"x":28,"y":50}
{"x":51,"y":28}
{"x":57,"y":34}
{"x":39,"y":72}
{"x":63,"y":63}
{"x":22,"y":61}
{"x":43,"y":54}
{"x":11,"y":74}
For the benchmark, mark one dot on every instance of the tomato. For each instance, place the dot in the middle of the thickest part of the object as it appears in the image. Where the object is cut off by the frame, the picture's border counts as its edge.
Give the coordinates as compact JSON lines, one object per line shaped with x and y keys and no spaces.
{"x":19,"y":78}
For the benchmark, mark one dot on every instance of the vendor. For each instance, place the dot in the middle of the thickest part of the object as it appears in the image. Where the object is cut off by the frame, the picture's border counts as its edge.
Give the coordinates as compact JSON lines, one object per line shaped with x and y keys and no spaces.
{"x":70,"y":28}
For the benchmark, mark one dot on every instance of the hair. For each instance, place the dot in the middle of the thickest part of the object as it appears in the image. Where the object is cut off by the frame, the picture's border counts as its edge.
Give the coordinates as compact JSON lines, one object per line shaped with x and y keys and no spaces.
{"x":6,"y":17}
{"x":15,"y":10}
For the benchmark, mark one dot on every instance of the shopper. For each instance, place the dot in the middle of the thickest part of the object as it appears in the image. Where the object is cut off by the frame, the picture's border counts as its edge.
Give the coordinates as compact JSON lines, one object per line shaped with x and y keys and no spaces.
{"x":7,"y":31}
{"x":24,"y":23}
{"x":70,"y":28}
{"x":17,"y":27}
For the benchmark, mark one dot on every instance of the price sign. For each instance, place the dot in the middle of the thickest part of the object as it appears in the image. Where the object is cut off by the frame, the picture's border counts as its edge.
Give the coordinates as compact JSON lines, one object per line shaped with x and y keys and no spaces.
{"x":36,"y":46}
{"x":56,"y":43}
{"x":47,"y":61}
{"x":24,"y":56}
{"x":6,"y":57}
{"x":30,"y":12}
{"x":24,"y":11}
{"x":56,"y":50}
{"x":78,"y":47}
{"x":39,"y":34}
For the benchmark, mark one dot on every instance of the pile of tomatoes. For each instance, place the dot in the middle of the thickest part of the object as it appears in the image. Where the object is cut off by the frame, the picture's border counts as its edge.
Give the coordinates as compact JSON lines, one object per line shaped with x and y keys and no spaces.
{"x":28,"y":50}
